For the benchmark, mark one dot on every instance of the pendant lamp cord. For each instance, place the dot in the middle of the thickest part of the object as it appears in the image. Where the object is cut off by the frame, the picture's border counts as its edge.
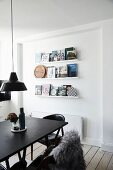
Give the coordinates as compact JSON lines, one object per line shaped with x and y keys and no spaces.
{"x":12,"y":35}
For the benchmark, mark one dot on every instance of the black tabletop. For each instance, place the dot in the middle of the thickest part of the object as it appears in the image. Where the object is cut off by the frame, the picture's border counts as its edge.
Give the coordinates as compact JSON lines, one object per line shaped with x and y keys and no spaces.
{"x":11,"y":143}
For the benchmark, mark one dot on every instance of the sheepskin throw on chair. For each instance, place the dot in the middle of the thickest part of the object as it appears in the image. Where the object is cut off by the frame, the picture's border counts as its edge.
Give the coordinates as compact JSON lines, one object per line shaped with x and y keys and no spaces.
{"x":68,"y":154}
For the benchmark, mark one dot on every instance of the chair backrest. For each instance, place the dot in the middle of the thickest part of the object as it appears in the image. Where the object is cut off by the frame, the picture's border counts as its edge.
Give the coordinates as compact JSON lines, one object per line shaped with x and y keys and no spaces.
{"x":58,"y":117}
{"x":44,"y":164}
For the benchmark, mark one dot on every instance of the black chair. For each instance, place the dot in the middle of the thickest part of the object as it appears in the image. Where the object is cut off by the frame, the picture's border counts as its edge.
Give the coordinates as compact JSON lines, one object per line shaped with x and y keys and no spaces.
{"x":2,"y":167}
{"x":41,"y":162}
{"x":53,"y":138}
{"x":68,"y":155}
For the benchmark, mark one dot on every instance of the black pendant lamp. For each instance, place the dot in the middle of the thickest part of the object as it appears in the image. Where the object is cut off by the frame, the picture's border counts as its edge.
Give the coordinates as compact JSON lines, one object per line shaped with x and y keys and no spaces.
{"x":13,"y":84}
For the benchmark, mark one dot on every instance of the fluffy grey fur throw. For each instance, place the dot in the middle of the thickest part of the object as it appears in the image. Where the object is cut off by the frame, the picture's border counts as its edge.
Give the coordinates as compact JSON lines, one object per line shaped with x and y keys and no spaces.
{"x":68,"y":154}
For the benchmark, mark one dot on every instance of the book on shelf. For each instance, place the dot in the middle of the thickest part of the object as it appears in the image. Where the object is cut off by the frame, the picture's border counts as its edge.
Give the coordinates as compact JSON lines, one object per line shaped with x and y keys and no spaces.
{"x":45,"y":57}
{"x":58,"y":55}
{"x":55,"y":55}
{"x":38,"y":89}
{"x":70,"y":53}
{"x":51,"y":72}
{"x":61,"y":54}
{"x":54,"y":90}
{"x":50,"y":57}
{"x":46,"y":89}
{"x":72,"y":70}
{"x":57,"y":72}
{"x":71,"y":91}
{"x":63,"y":71}
{"x":62,"y":90}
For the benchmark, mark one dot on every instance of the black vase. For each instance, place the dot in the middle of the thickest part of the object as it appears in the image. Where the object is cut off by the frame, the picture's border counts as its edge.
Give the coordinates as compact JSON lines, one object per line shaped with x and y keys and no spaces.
{"x":22,"y":119}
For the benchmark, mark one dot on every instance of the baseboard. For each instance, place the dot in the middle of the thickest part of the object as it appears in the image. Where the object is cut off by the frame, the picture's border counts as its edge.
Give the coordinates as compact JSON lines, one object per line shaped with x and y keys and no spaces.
{"x":91,"y":141}
{"x":107,"y":147}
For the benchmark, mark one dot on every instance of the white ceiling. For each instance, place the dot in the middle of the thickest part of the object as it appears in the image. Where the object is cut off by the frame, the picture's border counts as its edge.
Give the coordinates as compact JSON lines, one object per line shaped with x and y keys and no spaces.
{"x":38,"y":16}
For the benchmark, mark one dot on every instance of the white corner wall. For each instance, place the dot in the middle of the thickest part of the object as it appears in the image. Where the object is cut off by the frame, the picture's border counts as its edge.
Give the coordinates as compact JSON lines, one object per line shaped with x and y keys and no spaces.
{"x":95,"y":84}
{"x":88,"y":42}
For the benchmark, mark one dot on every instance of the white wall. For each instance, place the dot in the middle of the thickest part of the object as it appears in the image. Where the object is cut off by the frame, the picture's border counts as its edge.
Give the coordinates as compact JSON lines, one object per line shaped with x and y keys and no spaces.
{"x":108,"y":86}
{"x":88,"y":42}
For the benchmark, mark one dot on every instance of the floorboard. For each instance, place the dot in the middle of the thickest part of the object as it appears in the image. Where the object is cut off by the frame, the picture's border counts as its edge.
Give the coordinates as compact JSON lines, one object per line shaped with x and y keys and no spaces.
{"x":104,"y":163}
{"x":95,"y":158}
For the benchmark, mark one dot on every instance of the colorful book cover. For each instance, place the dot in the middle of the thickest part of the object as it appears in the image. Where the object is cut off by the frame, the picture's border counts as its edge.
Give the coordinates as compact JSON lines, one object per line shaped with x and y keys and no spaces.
{"x":54,"y":55}
{"x":72,"y":70}
{"x":71,"y":91}
{"x":63,"y":71}
{"x":54,"y":91}
{"x":70,"y":53}
{"x":58,"y":55}
{"x":62,"y":54}
{"x":38,"y":89}
{"x":45,"y":57}
{"x":56,"y":72}
{"x":51,"y":72}
{"x":46,"y":89}
{"x":62,"y":91}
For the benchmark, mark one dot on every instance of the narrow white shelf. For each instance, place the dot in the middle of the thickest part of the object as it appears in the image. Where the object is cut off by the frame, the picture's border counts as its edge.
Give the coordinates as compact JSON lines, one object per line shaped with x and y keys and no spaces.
{"x":61,"y":61}
{"x":66,"y":97}
{"x":59,"y":78}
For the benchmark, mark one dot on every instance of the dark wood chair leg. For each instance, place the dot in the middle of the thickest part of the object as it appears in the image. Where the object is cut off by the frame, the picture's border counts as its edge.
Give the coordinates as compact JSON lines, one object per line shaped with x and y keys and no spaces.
{"x":24,"y":153}
{"x":32,"y":152}
{"x":19,"y":155}
{"x":47,"y":142}
{"x":7,"y":163}
{"x":62,"y":131}
{"x":57,"y":134}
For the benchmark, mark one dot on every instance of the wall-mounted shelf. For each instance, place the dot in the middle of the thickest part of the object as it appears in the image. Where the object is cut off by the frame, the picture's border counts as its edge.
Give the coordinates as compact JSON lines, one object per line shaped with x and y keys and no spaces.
{"x":59,"y":78}
{"x":66,"y":97}
{"x":61,"y":61}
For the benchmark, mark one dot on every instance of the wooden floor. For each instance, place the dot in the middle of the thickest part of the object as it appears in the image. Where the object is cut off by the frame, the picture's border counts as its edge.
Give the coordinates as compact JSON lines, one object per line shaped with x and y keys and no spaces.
{"x":95,"y":158}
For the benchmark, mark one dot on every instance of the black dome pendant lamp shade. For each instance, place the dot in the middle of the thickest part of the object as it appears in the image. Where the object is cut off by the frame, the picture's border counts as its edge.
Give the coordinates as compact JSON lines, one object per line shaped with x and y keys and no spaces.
{"x":13,"y":84}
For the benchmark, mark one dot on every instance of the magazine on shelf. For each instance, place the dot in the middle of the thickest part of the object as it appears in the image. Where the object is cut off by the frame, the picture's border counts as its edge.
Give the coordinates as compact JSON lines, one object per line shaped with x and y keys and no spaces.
{"x":51,"y":72}
{"x":56,"y":72}
{"x":72,"y":70}
{"x":62,"y":91}
{"x":45,"y":57}
{"x":58,"y":55}
{"x":54,"y":55}
{"x":63,"y":71}
{"x":70,"y":53}
{"x":46,"y":89}
{"x":71,"y":91}
{"x":62,"y":54}
{"x":38,"y":89}
{"x":54,"y":91}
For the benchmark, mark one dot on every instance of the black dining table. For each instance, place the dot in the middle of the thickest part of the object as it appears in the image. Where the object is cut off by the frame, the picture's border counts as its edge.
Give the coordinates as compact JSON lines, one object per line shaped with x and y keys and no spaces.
{"x":14,"y":142}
